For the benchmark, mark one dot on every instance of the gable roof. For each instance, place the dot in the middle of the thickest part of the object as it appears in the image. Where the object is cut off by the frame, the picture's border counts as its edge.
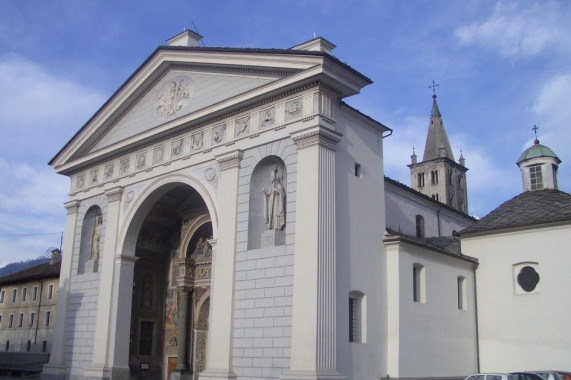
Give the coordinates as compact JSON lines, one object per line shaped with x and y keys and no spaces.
{"x":37,"y":272}
{"x":530,"y":208}
{"x":294,"y":67}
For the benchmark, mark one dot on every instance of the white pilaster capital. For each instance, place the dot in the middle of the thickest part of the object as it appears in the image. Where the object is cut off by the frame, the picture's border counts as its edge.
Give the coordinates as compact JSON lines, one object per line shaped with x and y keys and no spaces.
{"x":316,"y":135}
{"x":72,"y":207}
{"x":230,"y":160}
{"x":114,"y":194}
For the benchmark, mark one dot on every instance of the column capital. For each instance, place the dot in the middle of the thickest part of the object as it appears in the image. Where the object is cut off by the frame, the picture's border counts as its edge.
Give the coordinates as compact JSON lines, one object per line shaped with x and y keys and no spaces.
{"x":230,"y":159}
{"x":316,"y":135}
{"x":124,"y":259}
{"x":72,"y":207}
{"x":114,"y":194}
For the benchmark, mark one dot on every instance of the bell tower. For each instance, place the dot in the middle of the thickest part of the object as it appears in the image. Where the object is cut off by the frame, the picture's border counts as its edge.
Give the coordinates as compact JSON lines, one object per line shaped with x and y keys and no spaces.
{"x":438,"y":175}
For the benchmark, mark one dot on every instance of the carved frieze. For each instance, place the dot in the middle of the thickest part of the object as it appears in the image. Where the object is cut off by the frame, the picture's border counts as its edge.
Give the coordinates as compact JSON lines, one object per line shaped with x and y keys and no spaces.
{"x":158,"y":155}
{"x":218,"y":134}
{"x":197,"y":141}
{"x":268,"y":118}
{"x":108,"y":172}
{"x":124,"y":166}
{"x":80,"y":182}
{"x":242,"y":126}
{"x":94,"y":177}
{"x":294,"y":109}
{"x":141,"y":161}
{"x":176,"y":149}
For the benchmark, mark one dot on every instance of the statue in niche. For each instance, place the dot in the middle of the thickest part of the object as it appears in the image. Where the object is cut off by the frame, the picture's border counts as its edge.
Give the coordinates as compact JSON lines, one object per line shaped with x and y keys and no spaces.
{"x":95,"y":237}
{"x":274,"y":203}
{"x":203,"y":249}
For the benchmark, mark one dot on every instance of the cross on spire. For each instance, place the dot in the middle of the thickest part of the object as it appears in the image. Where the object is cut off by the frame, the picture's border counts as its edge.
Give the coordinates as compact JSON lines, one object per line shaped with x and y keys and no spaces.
{"x":535,"y":128}
{"x":434,"y":85}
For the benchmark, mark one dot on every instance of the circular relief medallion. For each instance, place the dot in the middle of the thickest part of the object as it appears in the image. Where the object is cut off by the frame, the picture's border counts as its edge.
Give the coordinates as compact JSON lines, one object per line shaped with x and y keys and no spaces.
{"x":528,"y":278}
{"x":173,"y":96}
{"x":210,"y":174}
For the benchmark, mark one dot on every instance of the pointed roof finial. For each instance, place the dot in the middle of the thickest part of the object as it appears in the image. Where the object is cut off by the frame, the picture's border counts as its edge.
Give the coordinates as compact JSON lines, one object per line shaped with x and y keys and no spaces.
{"x":435,"y":110}
{"x":535,"y":128}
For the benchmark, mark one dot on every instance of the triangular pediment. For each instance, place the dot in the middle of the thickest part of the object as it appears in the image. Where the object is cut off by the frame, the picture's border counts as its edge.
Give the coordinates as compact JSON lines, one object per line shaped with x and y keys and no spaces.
{"x":179,"y":93}
{"x":178,"y":88}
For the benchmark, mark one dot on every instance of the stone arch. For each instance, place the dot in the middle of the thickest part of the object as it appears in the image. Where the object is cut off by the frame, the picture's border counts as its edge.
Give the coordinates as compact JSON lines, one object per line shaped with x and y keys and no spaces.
{"x":153,"y":192}
{"x":258,"y":212}
{"x":91,"y":230}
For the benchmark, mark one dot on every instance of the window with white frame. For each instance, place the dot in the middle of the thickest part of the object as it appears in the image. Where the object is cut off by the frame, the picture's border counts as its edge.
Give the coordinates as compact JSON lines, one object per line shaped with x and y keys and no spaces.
{"x":14,"y":295}
{"x":11,"y":321}
{"x":434,"y":176}
{"x":420,"y":179}
{"x":32,"y":319}
{"x":535,"y":177}
{"x":2,"y":293}
{"x":35,"y":293}
{"x":419,"y":226}
{"x":21,"y":320}
{"x":526,"y":277}
{"x":50,"y":291}
{"x":357,"y":314}
{"x":24,"y":294}
{"x":47,"y":318}
{"x":418,"y":283}
{"x":461,"y":289}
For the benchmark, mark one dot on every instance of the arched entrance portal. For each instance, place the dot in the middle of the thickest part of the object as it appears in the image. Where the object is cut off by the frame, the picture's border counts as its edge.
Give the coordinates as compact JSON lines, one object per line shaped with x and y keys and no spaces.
{"x":171,"y":278}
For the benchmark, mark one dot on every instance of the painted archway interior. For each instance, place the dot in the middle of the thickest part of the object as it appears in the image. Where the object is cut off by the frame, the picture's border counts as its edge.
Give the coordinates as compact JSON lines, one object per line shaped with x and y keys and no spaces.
{"x":173,"y":233}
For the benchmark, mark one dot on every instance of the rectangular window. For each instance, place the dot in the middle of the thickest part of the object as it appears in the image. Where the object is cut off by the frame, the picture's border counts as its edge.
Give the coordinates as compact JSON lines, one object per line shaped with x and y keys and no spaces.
{"x":535,"y":177}
{"x":50,"y":291}
{"x":14,"y":295}
{"x":554,"y":168}
{"x":2,"y":296}
{"x":21,"y":320}
{"x":44,"y":346}
{"x":32,"y":319}
{"x":146,"y":338}
{"x":11,"y":321}
{"x":353,"y":320}
{"x":47,"y":318}
{"x":29,"y":346}
{"x":35,"y":293}
{"x":461,"y":287}
{"x":7,"y":345}
{"x":434,"y":177}
{"x":418,"y":283}
{"x":0,"y":320}
{"x":357,"y":170}
{"x":24,"y":294}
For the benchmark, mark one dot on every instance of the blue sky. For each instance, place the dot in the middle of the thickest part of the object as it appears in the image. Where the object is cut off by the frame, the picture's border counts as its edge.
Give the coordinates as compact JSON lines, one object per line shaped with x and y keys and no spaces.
{"x":502,"y":66}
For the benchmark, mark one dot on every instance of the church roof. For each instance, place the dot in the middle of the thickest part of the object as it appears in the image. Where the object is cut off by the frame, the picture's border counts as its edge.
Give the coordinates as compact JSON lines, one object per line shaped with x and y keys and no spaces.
{"x":37,"y":272}
{"x":537,"y":150}
{"x":437,"y":137}
{"x":447,"y":245}
{"x":530,"y":208}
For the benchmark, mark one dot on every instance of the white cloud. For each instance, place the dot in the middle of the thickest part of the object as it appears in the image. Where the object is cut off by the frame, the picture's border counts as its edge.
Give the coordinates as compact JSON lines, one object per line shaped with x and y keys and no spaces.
{"x":520,"y":29}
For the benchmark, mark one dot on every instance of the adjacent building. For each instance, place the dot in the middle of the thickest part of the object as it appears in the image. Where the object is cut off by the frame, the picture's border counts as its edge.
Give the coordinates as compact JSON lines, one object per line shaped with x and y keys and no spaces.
{"x":28,"y":307}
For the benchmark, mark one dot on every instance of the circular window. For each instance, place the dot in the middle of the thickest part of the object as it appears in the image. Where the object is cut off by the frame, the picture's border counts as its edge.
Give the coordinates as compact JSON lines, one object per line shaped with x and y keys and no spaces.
{"x":528,"y":278}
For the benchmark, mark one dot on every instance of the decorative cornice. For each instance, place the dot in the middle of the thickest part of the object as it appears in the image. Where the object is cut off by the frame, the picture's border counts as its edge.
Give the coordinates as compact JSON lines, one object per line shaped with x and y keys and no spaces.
{"x":114,"y":195}
{"x":125,"y":259}
{"x":317,"y":136}
{"x":230,"y":160}
{"x":72,"y":207}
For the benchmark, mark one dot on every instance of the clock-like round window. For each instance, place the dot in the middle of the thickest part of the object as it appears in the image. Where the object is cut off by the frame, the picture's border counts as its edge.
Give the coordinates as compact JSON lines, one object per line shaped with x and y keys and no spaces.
{"x":528,"y":278}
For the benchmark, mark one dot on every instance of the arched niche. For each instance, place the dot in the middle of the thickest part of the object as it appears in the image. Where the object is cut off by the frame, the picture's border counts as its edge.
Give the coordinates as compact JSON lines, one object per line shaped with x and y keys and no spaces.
{"x":90,"y":246}
{"x":267,"y":206}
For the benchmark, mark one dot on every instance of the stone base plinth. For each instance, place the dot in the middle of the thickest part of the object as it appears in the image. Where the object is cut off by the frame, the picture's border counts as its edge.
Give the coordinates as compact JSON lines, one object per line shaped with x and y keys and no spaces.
{"x":91,"y":266}
{"x":269,"y":238}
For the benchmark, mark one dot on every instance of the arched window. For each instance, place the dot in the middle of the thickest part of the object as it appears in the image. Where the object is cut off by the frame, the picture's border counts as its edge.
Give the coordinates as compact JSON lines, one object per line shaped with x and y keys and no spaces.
{"x":419,"y":226}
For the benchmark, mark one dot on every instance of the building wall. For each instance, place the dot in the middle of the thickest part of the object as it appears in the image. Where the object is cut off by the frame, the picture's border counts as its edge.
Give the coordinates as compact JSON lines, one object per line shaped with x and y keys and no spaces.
{"x":41,"y":330}
{"x":431,"y":337}
{"x":402,"y":207}
{"x":360,"y":254}
{"x":520,"y":330}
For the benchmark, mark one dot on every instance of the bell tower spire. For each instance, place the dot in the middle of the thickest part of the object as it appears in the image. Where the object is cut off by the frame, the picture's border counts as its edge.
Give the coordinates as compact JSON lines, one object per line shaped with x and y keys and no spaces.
{"x":438,"y":175}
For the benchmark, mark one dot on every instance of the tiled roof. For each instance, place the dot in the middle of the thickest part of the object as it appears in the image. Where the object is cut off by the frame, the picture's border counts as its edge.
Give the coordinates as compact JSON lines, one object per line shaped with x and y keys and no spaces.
{"x":37,"y":272}
{"x":447,"y":245}
{"x":528,"y":209}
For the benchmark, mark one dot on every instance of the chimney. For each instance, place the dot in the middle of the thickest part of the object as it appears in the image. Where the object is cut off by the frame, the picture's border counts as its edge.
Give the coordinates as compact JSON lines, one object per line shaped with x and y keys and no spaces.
{"x":186,"y":38}
{"x":55,"y":256}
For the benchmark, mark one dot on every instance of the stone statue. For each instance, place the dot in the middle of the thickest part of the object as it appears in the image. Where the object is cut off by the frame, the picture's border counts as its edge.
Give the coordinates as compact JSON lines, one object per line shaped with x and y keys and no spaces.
{"x":95,"y":236}
{"x":274,"y":203}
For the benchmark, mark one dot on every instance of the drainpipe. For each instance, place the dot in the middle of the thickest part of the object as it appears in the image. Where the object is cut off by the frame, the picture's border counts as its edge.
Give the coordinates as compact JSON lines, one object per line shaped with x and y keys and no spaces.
{"x":477,"y":324}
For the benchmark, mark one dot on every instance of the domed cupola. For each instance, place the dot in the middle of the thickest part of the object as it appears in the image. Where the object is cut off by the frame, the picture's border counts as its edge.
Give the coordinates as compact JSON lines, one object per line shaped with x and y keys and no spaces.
{"x":538,"y":165}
